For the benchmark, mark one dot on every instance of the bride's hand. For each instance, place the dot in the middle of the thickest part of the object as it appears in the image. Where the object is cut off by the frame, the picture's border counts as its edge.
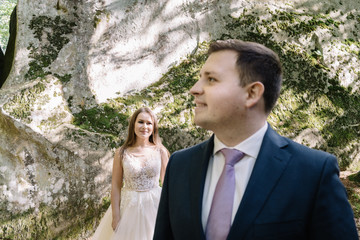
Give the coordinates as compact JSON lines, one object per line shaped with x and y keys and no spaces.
{"x":115,"y":222}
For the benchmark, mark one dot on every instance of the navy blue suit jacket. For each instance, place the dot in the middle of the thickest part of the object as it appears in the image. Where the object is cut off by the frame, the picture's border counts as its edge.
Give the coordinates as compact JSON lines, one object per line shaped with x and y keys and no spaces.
{"x":294,"y":192}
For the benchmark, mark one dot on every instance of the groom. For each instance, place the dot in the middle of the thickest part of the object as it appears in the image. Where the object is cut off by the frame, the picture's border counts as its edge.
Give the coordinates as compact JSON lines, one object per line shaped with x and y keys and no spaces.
{"x":274,"y":188}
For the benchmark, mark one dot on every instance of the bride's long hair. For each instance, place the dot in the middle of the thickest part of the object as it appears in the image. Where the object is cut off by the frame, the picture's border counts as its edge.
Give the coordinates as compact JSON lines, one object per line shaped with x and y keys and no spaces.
{"x":131,"y":137}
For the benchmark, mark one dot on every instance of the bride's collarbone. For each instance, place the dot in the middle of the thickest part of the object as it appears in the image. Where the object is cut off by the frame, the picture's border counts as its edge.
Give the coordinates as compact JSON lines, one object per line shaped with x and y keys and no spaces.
{"x":149,"y":150}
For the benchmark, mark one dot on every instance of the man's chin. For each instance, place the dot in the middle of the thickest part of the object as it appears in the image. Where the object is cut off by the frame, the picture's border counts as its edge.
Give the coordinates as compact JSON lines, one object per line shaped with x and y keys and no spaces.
{"x":202,"y":123}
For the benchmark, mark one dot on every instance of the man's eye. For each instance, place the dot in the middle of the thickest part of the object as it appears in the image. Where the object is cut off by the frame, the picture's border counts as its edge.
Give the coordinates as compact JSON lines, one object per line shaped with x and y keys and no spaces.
{"x":212,"y":79}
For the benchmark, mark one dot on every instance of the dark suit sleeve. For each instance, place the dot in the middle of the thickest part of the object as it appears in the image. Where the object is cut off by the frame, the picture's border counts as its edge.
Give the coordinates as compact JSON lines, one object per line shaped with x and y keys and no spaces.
{"x":163,"y":227}
{"x":332,"y":216}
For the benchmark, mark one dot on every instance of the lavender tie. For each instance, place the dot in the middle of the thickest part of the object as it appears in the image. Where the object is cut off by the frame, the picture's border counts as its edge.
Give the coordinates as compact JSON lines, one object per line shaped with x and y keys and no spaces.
{"x":219,"y":221}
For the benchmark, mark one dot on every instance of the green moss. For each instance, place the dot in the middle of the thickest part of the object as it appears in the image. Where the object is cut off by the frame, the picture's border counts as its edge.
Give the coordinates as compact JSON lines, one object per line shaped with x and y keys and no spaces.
{"x":60,"y":7}
{"x":91,"y":218}
{"x":53,"y":121}
{"x":355,"y":177}
{"x":294,"y":24}
{"x":64,"y":79}
{"x":55,"y":31}
{"x":352,"y":187}
{"x":97,"y":16}
{"x":21,"y":105}
{"x":66,"y":221}
{"x":348,"y":43}
{"x":103,"y":119}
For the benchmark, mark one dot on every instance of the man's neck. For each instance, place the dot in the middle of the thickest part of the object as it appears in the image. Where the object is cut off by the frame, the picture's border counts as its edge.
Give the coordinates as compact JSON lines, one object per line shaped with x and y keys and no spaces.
{"x":233,"y":136}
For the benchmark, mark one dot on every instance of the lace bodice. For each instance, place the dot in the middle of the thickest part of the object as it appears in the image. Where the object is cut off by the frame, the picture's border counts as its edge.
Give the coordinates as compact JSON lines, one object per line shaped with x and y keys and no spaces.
{"x":141,"y":172}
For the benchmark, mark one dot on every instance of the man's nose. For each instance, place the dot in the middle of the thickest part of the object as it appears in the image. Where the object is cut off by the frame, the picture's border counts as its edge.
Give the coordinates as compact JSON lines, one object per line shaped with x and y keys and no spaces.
{"x":196,"y":89}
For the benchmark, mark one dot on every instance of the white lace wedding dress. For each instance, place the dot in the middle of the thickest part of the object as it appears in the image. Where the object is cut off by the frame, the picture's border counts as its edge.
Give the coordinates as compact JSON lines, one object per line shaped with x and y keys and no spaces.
{"x":140,"y":197}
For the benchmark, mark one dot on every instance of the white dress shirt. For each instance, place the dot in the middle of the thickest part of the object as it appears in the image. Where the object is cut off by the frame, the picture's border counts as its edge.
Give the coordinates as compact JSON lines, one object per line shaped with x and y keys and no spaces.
{"x":243,"y":168}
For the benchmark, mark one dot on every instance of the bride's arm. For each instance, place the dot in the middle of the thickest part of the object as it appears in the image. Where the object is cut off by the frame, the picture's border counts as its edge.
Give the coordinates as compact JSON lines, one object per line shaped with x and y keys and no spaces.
{"x":164,"y":161}
{"x":116,"y":185}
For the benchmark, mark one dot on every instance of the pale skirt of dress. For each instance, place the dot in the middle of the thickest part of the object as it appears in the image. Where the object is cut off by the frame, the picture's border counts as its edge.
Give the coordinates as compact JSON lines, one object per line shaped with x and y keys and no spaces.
{"x":138,"y":210}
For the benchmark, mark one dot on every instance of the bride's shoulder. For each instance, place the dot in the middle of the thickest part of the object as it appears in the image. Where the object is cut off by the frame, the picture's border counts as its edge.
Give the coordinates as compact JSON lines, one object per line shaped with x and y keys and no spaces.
{"x":121,"y":152}
{"x":163,"y":151}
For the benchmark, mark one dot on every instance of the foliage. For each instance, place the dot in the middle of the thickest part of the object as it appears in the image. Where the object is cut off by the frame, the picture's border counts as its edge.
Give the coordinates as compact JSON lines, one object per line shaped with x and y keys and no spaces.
{"x":6,"y":8}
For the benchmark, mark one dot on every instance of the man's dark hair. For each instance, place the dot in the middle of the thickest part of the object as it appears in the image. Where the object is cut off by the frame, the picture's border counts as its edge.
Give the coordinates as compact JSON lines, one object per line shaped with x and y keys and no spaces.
{"x":255,"y":63}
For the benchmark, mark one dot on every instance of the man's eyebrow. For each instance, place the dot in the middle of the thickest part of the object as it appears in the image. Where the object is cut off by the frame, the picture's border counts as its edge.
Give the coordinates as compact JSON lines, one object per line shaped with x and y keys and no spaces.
{"x":207,"y":73}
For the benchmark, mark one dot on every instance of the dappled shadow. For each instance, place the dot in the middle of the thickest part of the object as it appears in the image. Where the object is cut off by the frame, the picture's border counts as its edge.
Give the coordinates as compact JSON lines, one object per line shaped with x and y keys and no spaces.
{"x":107,"y":122}
{"x":311,"y":83}
{"x":44,"y":162}
{"x":325,"y":7}
{"x":318,"y":96}
{"x":150,"y":39}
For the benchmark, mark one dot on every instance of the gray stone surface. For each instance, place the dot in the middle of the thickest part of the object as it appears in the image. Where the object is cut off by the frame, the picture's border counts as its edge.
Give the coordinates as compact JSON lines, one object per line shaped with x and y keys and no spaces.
{"x":72,"y":55}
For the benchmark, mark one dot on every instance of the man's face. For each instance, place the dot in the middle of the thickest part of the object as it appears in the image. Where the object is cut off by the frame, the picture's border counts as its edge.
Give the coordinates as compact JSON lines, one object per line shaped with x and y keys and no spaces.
{"x":219,"y":98}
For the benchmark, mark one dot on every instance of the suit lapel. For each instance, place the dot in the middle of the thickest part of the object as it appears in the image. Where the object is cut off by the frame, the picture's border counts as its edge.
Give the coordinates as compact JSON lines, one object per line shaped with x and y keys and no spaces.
{"x":269,"y":166}
{"x":199,"y":165}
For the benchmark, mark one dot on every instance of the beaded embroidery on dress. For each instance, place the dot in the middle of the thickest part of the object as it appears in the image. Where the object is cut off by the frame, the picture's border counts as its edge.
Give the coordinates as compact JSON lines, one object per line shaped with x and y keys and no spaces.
{"x":140,"y":197}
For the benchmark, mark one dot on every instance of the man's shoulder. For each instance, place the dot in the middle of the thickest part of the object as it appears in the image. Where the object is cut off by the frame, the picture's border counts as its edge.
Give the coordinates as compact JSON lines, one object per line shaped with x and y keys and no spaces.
{"x":308,"y":157}
{"x":298,"y":149}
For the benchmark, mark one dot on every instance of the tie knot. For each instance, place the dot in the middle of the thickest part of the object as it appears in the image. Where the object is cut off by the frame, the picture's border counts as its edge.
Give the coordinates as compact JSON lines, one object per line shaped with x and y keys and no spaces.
{"x":232,"y":156}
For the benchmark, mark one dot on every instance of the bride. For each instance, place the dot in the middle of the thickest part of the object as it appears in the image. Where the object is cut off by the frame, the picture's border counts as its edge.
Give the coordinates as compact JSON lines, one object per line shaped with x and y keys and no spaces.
{"x":135,"y":192}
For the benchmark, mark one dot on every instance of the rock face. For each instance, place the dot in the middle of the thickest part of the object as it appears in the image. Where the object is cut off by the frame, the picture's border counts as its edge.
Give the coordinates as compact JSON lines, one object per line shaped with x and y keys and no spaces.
{"x":82,"y":67}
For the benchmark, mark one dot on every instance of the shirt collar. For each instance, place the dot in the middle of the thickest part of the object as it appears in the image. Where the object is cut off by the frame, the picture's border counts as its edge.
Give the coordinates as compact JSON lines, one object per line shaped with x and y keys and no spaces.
{"x":250,"y":146}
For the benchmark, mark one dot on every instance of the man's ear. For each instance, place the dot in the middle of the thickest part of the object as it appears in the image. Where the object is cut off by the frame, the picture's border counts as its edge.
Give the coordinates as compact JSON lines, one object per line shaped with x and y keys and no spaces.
{"x":255,"y":93}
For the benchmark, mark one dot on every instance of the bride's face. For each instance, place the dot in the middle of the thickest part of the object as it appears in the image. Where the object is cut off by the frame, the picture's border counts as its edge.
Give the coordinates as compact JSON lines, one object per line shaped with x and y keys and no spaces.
{"x":144,"y":125}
